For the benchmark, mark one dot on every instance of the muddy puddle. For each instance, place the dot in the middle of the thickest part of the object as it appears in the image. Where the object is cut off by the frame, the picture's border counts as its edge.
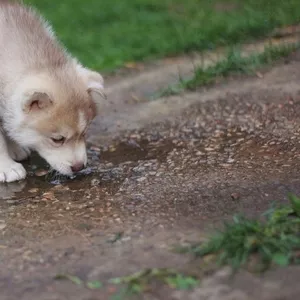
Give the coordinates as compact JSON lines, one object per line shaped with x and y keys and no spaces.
{"x":107,"y":168}
{"x":132,"y":150}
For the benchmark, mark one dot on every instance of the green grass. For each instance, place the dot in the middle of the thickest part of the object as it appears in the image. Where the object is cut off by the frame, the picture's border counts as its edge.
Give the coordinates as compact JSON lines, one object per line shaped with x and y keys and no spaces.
{"x":96,"y":284}
{"x":139,"y":282}
{"x":233,"y":63}
{"x":255,"y":244}
{"x":274,"y":240}
{"x":106,"y":34}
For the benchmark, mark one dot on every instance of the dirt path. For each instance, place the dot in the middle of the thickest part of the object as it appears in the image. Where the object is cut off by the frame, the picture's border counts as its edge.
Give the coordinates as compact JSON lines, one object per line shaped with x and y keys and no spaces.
{"x":129,"y":95}
{"x":169,"y":170}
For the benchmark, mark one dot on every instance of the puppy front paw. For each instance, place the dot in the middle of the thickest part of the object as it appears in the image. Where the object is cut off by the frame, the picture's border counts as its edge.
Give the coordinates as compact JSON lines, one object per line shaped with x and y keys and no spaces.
{"x":17,"y":152}
{"x":11,"y":171}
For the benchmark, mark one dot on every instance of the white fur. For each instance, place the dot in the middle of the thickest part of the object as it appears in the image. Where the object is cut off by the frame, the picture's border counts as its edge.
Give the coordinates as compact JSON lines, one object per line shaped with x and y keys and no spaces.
{"x":9,"y":169}
{"x":68,"y":156}
{"x":34,"y":63}
{"x":82,"y":121}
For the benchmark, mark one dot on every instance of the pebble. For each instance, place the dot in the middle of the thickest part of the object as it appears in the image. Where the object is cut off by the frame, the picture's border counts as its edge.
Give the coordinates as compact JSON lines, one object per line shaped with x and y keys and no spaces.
{"x":141,"y":179}
{"x":94,"y":148}
{"x":112,"y":149}
{"x":139,"y":169}
{"x":95,"y":182}
{"x":199,"y":153}
{"x":226,"y":165}
{"x":41,"y":173}
{"x":60,"y":187}
{"x":48,"y":196}
{"x":235,"y":196}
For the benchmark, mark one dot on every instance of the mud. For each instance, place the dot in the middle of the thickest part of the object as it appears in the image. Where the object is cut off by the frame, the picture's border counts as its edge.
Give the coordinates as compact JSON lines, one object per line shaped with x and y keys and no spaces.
{"x":161,"y":173}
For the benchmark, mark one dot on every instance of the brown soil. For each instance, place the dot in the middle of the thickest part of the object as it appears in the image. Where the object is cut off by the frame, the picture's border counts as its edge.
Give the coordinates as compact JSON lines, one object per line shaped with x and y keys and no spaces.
{"x":162,"y":174}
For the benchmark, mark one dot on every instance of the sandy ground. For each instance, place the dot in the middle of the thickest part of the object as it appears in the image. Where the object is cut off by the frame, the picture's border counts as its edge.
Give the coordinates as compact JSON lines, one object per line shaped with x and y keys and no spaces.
{"x":163,"y":173}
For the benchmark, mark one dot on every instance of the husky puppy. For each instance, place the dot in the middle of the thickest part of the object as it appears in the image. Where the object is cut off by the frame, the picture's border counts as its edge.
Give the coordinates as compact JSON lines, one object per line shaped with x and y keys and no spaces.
{"x":47,"y":98}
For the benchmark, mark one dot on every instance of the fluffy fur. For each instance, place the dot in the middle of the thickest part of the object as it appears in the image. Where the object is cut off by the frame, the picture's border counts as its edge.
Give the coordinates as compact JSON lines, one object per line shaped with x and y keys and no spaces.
{"x":47,"y":98}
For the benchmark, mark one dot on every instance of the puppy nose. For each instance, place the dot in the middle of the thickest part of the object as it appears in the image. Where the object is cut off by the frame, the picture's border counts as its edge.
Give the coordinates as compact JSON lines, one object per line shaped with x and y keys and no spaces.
{"x":77,"y":167}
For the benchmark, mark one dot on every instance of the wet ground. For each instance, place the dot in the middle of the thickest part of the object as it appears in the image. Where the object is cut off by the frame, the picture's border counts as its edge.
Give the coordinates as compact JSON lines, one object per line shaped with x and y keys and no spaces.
{"x":162,"y":173}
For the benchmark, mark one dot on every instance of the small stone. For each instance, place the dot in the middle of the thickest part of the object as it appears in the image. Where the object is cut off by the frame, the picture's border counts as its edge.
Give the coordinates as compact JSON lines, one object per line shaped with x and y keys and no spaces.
{"x":95,"y":182}
{"x":199,"y":153}
{"x":225,"y":165}
{"x":235,"y":196}
{"x":41,"y":173}
{"x":141,"y":179}
{"x":94,"y":148}
{"x":49,"y":196}
{"x":139,"y":169}
{"x":60,"y":187}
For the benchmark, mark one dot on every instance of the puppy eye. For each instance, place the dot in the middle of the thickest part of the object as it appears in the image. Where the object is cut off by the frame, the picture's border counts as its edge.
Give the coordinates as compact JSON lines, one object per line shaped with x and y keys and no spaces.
{"x":59,"y":140}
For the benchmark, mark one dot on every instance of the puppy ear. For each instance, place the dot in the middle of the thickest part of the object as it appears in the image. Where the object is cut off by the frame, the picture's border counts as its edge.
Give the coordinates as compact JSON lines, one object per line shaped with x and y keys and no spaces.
{"x":36,"y":101}
{"x":96,"y":91}
{"x":95,"y":86}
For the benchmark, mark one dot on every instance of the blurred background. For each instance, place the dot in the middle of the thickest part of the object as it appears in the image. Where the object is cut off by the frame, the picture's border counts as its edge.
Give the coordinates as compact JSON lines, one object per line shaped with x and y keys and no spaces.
{"x":107,"y":34}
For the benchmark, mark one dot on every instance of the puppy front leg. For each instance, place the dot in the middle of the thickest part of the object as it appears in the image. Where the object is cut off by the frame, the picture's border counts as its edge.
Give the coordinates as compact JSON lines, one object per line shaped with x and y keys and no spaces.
{"x":15,"y":151}
{"x":9,"y":169}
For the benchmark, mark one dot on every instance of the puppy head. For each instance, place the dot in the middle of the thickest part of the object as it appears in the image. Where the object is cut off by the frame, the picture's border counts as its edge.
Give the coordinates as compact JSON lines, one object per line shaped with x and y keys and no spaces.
{"x":53,"y":118}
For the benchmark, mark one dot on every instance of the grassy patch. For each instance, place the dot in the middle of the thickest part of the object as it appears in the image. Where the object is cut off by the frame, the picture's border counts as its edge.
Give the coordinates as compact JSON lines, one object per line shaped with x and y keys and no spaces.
{"x":274,"y":240}
{"x":253,"y":244}
{"x":141,"y":281}
{"x":96,"y":284}
{"x":107,"y":34}
{"x":233,"y":63}
{"x":117,"y":237}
